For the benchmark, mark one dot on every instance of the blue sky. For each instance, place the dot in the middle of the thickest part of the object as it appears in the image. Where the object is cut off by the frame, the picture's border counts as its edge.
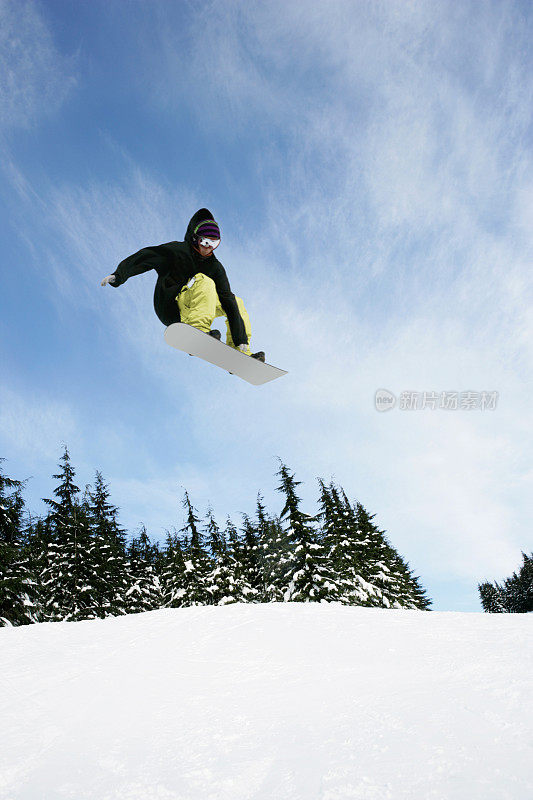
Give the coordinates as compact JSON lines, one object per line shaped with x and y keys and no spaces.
{"x":369,"y":164}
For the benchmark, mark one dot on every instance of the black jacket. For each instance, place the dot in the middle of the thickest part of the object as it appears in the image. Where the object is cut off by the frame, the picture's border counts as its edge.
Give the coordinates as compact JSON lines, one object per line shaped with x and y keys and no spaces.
{"x":175,"y":264}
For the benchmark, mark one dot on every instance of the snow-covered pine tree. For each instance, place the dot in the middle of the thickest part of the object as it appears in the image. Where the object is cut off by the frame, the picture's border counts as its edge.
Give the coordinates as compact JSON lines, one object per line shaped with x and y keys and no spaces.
{"x":518,"y":589}
{"x":371,"y":549}
{"x":37,"y":538}
{"x":418,"y":593}
{"x":308,"y":577}
{"x":17,"y":587}
{"x":392,"y":584}
{"x":492,"y":598}
{"x":406,"y":587}
{"x":68,"y":580}
{"x":274,"y":549}
{"x":173,"y":573}
{"x":233,"y":541}
{"x":340,"y":537}
{"x":242,"y":591}
{"x":144,"y":592}
{"x":251,"y":559}
{"x":516,"y":594}
{"x":221,"y":579}
{"x":198,"y":564}
{"x":215,"y":540}
{"x":108,"y":555}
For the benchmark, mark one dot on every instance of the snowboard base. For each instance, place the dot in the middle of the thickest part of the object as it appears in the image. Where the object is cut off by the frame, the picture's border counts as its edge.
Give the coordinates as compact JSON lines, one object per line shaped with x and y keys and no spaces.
{"x":196,"y":343}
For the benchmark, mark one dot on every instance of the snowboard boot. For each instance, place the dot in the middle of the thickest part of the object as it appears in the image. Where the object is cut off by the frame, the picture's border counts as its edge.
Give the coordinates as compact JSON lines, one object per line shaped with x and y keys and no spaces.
{"x":260,"y":355}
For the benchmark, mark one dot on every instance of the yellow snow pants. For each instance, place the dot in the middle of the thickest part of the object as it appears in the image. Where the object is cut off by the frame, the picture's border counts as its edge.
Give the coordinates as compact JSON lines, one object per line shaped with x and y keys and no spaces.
{"x":199,"y":305}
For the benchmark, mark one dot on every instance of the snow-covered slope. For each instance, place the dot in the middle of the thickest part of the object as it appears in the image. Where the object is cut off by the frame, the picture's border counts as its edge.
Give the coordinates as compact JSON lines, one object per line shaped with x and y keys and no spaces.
{"x":276,"y":702}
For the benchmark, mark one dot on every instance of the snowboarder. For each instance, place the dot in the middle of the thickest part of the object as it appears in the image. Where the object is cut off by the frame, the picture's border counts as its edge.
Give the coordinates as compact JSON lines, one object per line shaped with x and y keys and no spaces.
{"x":192,"y":286}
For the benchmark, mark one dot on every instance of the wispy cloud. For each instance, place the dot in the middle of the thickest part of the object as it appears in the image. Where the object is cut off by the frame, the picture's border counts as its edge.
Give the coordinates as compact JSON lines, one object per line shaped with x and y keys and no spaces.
{"x":33,"y":425}
{"x":36,"y":79}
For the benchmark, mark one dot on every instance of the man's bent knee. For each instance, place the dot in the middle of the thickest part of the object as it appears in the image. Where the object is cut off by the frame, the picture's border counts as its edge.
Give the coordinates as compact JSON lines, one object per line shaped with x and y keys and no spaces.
{"x":197,"y":303}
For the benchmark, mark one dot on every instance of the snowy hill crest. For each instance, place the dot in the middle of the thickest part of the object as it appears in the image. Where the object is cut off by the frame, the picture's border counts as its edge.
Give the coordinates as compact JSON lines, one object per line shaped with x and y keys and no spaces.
{"x":280,"y":701}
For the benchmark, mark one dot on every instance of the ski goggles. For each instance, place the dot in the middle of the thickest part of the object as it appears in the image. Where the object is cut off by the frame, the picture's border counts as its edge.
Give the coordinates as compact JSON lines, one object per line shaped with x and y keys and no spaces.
{"x":205,"y":242}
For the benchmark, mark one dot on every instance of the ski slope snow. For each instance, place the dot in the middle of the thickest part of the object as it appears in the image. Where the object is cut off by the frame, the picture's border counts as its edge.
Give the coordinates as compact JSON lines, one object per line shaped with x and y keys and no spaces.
{"x":269,"y":702}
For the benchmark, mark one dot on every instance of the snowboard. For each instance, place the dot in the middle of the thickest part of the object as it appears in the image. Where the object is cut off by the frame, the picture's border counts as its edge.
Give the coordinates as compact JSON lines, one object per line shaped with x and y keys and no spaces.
{"x":196,"y":343}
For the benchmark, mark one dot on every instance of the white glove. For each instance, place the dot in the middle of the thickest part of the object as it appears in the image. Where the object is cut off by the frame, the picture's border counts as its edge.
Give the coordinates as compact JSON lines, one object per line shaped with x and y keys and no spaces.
{"x":108,"y":279}
{"x":243,"y":348}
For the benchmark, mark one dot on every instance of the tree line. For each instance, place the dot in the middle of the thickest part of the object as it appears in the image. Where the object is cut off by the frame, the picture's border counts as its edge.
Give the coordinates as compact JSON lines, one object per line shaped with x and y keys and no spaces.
{"x":514,"y":595}
{"x":76,"y":562}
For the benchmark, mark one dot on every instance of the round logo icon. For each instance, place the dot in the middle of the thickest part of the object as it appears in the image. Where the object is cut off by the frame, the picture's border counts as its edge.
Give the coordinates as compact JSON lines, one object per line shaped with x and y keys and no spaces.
{"x":384,"y":400}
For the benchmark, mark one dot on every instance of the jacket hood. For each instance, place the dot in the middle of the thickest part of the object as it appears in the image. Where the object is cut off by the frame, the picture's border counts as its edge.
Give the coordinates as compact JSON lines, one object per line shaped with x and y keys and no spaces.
{"x":202,"y":215}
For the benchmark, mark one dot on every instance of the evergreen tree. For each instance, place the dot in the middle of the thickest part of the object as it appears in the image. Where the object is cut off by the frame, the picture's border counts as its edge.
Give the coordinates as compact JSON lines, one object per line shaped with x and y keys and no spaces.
{"x":373,"y":556}
{"x":197,"y":561}
{"x":17,"y":588}
{"x":68,"y":579}
{"x":518,"y":589}
{"x":491,"y":598}
{"x":516,"y":594}
{"x":145,"y":592}
{"x":340,"y":537}
{"x":274,"y":549}
{"x":241,"y":590}
{"x":263,"y":528}
{"x":108,"y":552}
{"x":408,"y":591}
{"x":37,"y":540}
{"x":392,"y":582}
{"x":221,"y":580}
{"x":370,"y":571}
{"x":173,"y":573}
{"x":307,"y":577}
{"x":234,"y":543}
{"x":251,"y":559}
{"x":216,"y":543}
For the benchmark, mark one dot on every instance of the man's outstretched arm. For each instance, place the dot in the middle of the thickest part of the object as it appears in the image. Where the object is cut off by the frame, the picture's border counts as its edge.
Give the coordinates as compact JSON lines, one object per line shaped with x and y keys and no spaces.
{"x":143,"y":261}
